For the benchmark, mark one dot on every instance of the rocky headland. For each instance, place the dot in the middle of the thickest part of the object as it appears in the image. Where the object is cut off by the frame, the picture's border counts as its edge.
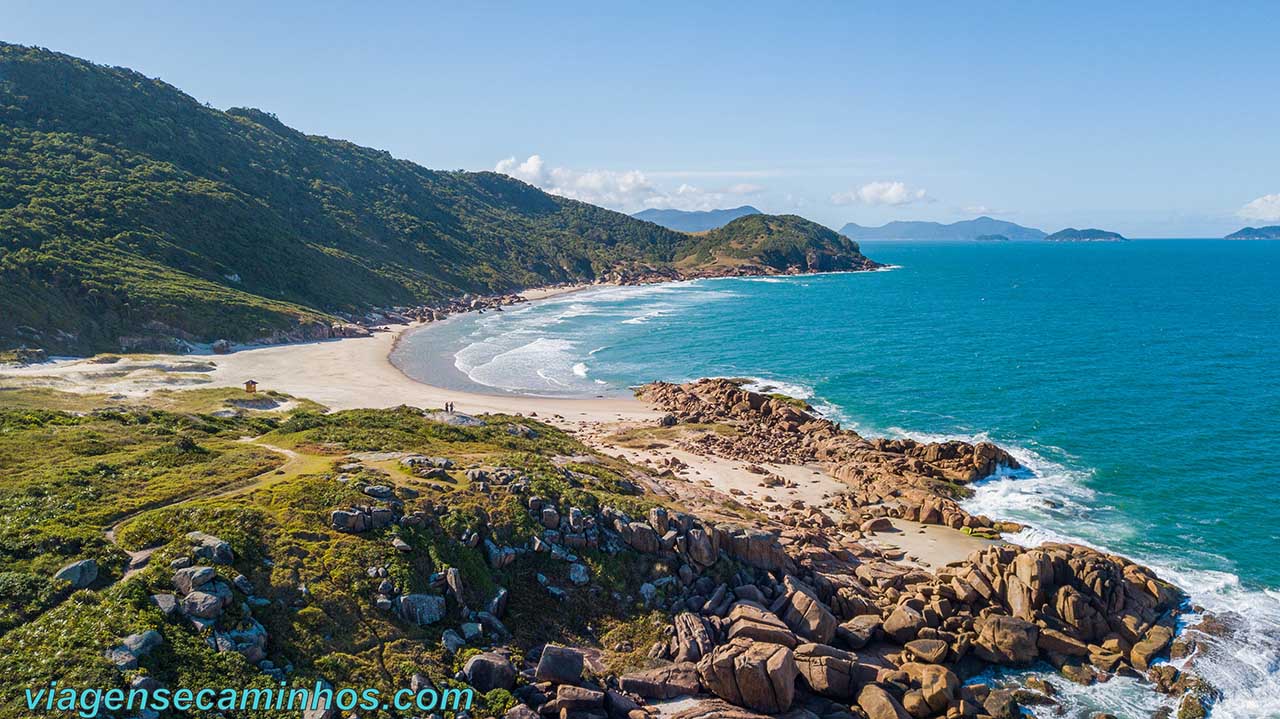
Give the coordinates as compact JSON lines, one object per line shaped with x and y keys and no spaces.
{"x":891,"y":637}
{"x":767,"y":549}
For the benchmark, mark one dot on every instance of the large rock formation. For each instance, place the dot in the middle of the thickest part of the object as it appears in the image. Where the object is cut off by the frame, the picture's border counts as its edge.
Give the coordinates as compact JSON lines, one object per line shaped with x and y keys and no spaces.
{"x":915,"y":479}
{"x":755,"y":675}
{"x":804,"y":618}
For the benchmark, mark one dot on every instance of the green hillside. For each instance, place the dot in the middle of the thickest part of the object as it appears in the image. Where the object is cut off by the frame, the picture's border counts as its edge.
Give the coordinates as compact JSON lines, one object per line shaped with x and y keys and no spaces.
{"x":781,"y":243}
{"x":129,"y":208}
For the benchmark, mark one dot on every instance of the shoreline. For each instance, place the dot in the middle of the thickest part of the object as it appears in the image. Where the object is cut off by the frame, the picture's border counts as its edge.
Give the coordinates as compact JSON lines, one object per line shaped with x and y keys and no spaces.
{"x":445,"y":375}
{"x":461,"y":382}
{"x":535,"y":294}
{"x":340,"y":373}
{"x":357,"y":372}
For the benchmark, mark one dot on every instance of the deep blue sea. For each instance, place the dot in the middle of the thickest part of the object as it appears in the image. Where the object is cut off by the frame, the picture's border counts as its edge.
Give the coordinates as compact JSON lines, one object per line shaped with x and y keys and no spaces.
{"x":1139,"y":382}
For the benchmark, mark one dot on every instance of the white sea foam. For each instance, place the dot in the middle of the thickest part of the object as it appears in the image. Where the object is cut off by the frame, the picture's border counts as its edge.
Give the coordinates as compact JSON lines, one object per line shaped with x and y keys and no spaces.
{"x":767,"y":385}
{"x":534,"y":347}
{"x":1055,"y":506}
{"x":1052,"y":497}
{"x":821,"y":407}
{"x":1054,"y":503}
{"x":542,"y":364}
{"x":550,"y":380}
{"x":645,"y":316}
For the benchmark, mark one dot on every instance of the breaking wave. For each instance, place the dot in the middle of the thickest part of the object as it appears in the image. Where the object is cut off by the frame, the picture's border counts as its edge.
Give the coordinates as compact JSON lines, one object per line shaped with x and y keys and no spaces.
{"x":1055,"y":504}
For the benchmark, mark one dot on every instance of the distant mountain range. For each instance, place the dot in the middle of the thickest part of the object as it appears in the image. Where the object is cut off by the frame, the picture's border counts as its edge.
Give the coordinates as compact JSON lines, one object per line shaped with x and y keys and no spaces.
{"x":1092,"y":234}
{"x":1271,"y":232}
{"x":963,"y":230}
{"x":683,"y":221}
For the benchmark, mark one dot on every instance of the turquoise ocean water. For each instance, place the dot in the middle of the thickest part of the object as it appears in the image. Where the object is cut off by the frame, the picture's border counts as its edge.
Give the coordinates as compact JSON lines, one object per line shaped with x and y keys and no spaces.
{"x":1139,"y":382}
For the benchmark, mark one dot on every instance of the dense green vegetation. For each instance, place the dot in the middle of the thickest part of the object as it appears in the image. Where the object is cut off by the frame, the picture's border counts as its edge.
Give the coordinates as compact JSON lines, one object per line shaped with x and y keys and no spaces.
{"x":131,"y":214}
{"x":69,"y":477}
{"x":158,"y":474}
{"x":780,"y":242}
{"x":125,"y":202}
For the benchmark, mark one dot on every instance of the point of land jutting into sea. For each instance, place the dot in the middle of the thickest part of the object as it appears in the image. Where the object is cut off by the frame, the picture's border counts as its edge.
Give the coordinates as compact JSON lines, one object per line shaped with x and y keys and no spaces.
{"x":277,"y":408}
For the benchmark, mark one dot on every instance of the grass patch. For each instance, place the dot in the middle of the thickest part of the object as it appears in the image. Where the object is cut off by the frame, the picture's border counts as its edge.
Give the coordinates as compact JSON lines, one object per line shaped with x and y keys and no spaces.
{"x":70,"y":476}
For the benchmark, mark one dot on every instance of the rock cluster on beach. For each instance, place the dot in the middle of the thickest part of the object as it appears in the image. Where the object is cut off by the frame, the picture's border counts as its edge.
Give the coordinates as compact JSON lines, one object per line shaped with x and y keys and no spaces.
{"x":809,"y":621}
{"x":801,"y":615}
{"x":901,"y":478}
{"x":829,"y":625}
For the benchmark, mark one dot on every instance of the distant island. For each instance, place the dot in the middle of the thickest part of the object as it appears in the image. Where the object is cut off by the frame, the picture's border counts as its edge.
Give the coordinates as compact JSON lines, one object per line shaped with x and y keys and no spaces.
{"x":1270,"y":232}
{"x":1092,"y":234}
{"x":992,"y":238}
{"x":686,"y":221}
{"x":963,"y":230}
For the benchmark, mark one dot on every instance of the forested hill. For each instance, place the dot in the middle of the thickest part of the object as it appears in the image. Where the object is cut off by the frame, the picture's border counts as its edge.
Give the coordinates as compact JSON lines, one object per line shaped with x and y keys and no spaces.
{"x":129,"y":209}
{"x":781,"y":243}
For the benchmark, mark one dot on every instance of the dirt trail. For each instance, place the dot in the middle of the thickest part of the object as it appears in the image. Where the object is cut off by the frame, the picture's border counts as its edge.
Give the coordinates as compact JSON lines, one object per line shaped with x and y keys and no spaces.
{"x":138,"y":559}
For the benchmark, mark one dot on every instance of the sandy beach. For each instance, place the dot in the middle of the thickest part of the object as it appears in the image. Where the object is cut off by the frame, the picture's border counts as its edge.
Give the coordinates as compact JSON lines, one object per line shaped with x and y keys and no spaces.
{"x":356,"y":373}
{"x":340,"y":374}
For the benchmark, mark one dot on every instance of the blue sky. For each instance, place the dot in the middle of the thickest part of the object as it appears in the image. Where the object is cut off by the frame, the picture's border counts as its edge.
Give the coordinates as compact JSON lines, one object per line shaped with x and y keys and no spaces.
{"x":1153,"y":119}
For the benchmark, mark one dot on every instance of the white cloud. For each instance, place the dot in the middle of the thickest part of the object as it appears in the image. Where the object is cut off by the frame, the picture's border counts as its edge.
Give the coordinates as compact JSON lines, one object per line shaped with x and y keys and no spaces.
{"x":1265,"y":208}
{"x":744,"y":188}
{"x":626,"y":190}
{"x":881,"y":193}
{"x":530,"y":170}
